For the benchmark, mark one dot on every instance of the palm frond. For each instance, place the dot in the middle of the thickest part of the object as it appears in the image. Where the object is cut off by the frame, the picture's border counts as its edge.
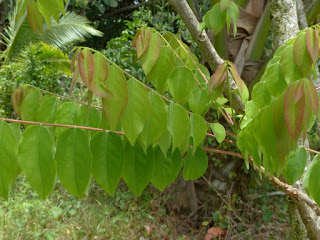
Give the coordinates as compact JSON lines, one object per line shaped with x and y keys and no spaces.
{"x":70,"y":29}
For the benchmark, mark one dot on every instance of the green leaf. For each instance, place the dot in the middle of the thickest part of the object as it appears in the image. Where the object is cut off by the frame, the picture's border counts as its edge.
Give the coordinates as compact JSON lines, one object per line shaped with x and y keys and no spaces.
{"x":166,"y":168}
{"x":108,"y":160}
{"x":16,"y":129}
{"x":295,"y":165}
{"x":115,"y":105}
{"x":179,"y":127}
{"x":164,"y":142}
{"x":260,"y":95}
{"x":312,"y":42}
{"x":73,"y":159}
{"x":288,"y":68}
{"x":275,"y":82}
{"x":251,"y":109}
{"x":202,"y":26}
{"x":199,"y":129}
{"x":66,"y":114}
{"x":215,"y":19}
{"x":301,"y":55}
{"x":30,"y":105}
{"x":137,"y":111}
{"x":181,"y":82}
{"x":48,"y":9}
{"x":219,"y":131}
{"x":8,"y":158}
{"x":233,"y":13}
{"x":47,"y":109}
{"x":88,"y":118}
{"x":195,"y":165}
{"x":313,"y":184}
{"x":199,"y":75}
{"x":160,"y":72}
{"x":35,"y":156}
{"x":111,"y":3}
{"x":224,"y":4}
{"x":199,"y":101}
{"x":306,"y":177}
{"x":157,"y":122}
{"x":138,"y":168}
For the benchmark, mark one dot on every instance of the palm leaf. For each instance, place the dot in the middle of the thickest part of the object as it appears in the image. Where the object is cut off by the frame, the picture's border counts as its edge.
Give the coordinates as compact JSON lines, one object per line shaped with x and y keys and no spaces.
{"x":70,"y":29}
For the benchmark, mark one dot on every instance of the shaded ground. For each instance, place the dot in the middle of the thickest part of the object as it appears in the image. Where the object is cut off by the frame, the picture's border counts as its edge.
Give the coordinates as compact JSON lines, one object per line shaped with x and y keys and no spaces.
{"x":98,"y":216}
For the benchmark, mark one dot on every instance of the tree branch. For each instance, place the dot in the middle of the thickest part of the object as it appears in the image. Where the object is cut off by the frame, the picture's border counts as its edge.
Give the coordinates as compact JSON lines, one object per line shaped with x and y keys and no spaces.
{"x":125,"y":9}
{"x":206,"y":48}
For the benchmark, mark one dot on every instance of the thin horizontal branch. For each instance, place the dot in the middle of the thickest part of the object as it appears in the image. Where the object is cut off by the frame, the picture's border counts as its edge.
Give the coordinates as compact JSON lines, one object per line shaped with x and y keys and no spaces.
{"x":59,"y":125}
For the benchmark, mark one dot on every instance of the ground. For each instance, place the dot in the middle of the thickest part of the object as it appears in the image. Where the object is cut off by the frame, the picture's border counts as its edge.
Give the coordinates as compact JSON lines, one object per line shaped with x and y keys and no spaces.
{"x":99,"y":216}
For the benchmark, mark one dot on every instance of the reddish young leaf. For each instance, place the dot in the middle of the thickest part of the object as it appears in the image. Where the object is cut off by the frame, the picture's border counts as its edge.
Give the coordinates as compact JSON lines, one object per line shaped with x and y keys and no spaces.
{"x":151,"y":55}
{"x":86,"y":66}
{"x":301,"y":56}
{"x":73,"y":60}
{"x":17,"y":97}
{"x":74,"y":79}
{"x":293,"y":112}
{"x":218,"y":77}
{"x":299,"y":91}
{"x":243,"y":90}
{"x":100,"y":75}
{"x":284,"y":142}
{"x":143,"y":41}
{"x":313,"y":43}
{"x":312,"y":95}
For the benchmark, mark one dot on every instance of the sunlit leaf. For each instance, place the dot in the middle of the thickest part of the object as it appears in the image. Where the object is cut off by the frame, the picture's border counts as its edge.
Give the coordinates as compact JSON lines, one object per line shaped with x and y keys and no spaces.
{"x":65,"y":114}
{"x":108,"y":160}
{"x":73,"y":159}
{"x":199,"y":129}
{"x":166,"y":168}
{"x":215,"y":19}
{"x":295,"y":165}
{"x":137,"y":111}
{"x":179,"y":127}
{"x":115,"y":105}
{"x":181,"y":83}
{"x":157,"y":122}
{"x":195,"y":165}
{"x":30,"y":105}
{"x":36,"y":159}
{"x":260,"y":95}
{"x":199,"y":101}
{"x":306,"y":177}
{"x":301,"y":55}
{"x":219,"y":131}
{"x":8,"y":158}
{"x":138,"y":168}
{"x":288,"y":67}
{"x":161,"y":70}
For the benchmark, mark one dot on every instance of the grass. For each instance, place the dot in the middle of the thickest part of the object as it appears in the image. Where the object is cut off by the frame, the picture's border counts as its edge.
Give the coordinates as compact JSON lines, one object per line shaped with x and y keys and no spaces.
{"x":98,"y":216}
